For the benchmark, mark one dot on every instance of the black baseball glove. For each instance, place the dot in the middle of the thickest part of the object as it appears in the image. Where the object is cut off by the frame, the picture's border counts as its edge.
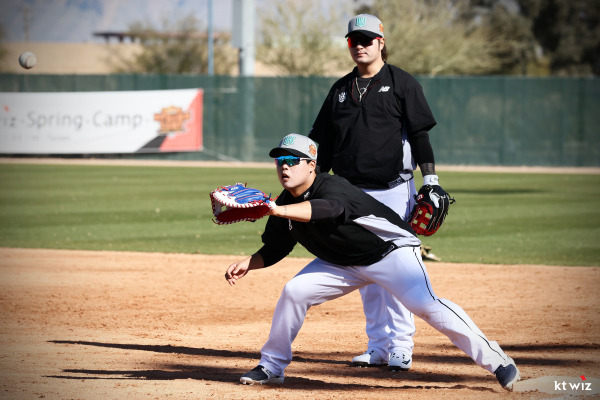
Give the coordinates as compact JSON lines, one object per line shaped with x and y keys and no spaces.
{"x":430,"y":210}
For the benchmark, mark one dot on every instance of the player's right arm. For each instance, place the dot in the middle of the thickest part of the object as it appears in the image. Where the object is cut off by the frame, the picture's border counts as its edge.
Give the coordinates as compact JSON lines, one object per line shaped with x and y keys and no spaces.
{"x":310,"y":210}
{"x":298,"y":212}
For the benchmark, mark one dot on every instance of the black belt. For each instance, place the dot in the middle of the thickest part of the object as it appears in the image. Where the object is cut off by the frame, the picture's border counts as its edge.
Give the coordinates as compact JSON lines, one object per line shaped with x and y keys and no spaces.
{"x":399,"y":181}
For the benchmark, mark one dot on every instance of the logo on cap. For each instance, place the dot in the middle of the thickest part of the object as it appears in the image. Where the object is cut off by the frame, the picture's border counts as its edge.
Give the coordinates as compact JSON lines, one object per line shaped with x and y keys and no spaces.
{"x":287,"y":141}
{"x":361,"y":21}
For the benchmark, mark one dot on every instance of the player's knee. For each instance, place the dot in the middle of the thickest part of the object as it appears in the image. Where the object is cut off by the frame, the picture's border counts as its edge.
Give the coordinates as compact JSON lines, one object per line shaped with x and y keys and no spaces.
{"x":294,"y":291}
{"x":303,"y":292}
{"x":432,"y":313}
{"x":433,"y":318}
{"x":426,"y":310}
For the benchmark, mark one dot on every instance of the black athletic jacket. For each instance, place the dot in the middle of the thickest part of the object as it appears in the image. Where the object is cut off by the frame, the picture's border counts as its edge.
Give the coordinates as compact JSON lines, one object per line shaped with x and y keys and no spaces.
{"x":362,"y":140}
{"x":363,"y":234}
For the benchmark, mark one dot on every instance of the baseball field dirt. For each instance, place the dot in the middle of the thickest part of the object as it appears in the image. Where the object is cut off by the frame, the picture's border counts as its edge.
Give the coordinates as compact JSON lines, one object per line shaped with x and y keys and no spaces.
{"x":108,"y":325}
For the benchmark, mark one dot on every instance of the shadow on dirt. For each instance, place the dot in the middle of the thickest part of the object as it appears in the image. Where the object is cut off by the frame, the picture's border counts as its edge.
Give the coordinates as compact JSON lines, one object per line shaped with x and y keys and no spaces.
{"x":232,"y":376}
{"x":207,"y":370}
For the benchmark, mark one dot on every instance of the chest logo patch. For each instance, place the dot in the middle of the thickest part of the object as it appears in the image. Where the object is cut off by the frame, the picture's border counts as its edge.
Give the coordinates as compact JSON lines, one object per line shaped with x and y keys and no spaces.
{"x":342,"y":97}
{"x":384,"y":89}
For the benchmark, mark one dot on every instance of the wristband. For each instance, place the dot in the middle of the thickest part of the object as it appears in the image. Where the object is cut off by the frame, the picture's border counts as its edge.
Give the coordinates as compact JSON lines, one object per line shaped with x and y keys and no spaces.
{"x":430,"y":180}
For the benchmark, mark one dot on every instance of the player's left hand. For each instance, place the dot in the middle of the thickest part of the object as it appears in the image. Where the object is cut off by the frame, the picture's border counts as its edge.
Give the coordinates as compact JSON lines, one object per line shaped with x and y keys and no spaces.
{"x":430,"y":210}
{"x":235,"y":203}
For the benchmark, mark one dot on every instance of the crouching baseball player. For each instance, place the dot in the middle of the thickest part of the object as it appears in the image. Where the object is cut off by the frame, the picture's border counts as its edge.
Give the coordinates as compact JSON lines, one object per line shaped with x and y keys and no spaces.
{"x":357,"y":241}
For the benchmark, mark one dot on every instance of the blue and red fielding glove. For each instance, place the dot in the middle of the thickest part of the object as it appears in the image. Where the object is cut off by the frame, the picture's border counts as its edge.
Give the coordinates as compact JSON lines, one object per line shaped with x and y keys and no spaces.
{"x":235,"y":203}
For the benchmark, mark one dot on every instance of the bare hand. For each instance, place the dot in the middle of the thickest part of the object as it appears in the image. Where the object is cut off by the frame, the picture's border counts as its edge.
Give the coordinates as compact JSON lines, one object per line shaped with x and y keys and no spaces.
{"x":237,"y":271}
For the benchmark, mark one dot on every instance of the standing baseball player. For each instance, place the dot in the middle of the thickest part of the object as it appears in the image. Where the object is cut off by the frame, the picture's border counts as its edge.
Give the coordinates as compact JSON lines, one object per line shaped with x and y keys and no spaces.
{"x":371,"y":129}
{"x":357,"y":241}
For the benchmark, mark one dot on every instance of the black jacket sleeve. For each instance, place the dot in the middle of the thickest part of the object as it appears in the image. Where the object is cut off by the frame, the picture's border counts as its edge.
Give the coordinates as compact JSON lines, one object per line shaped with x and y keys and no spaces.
{"x":420,"y":147}
{"x":418,"y":114}
{"x":325,"y":208}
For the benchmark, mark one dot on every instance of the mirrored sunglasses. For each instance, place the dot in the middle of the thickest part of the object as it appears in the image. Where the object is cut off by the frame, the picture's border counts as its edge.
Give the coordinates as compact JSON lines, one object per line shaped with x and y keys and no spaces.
{"x":364,"y":41}
{"x":289,"y":160}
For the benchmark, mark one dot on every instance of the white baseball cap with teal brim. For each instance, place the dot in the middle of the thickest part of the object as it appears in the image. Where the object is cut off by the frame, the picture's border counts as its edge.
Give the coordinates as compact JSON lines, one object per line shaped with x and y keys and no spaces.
{"x":296,"y":145}
{"x":367,"y":24}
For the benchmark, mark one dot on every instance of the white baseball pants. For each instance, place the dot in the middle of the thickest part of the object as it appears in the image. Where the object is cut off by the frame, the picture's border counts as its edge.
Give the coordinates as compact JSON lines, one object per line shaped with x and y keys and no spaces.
{"x":390,"y":326}
{"x":403,"y":274}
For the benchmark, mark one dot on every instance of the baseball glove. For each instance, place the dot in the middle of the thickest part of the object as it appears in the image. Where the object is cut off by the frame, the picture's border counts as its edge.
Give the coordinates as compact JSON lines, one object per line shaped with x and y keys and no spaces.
{"x":235,"y":203}
{"x":430,"y":210}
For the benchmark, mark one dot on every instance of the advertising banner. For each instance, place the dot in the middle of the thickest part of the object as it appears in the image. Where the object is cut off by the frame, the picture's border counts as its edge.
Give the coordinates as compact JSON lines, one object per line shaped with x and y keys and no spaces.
{"x":148,"y":121}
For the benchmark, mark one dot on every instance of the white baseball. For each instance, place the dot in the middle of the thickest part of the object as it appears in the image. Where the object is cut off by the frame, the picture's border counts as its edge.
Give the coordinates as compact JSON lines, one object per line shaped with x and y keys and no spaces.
{"x":27,"y":60}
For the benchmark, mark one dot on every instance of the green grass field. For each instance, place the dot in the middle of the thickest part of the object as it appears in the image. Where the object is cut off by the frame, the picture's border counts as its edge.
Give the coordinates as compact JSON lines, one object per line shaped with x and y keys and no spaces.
{"x":511,"y":218}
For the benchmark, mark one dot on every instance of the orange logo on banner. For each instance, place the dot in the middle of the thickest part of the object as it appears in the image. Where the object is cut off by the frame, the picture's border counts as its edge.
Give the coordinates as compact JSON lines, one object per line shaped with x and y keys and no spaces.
{"x":171,"y":119}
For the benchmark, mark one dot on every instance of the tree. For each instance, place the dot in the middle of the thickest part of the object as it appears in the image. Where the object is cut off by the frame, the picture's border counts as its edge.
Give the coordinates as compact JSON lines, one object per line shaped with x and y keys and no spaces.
{"x":449,"y":37}
{"x":304,"y":38}
{"x":502,"y":18}
{"x":177,"y":48}
{"x":568,"y":32}
{"x":434,"y":37}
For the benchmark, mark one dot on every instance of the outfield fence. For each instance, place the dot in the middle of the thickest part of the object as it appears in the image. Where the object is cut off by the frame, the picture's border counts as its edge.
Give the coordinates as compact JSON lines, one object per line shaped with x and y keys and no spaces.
{"x":502,"y":120}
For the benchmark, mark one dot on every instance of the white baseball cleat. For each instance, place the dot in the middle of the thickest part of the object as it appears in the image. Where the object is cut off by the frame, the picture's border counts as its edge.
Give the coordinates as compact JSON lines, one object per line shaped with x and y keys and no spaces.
{"x":369,"y":358}
{"x":400,"y":361}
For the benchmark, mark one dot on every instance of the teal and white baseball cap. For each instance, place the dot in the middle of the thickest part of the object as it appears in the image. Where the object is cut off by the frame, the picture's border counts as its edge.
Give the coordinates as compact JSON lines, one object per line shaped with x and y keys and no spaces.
{"x":367,"y":24}
{"x":297,"y":145}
